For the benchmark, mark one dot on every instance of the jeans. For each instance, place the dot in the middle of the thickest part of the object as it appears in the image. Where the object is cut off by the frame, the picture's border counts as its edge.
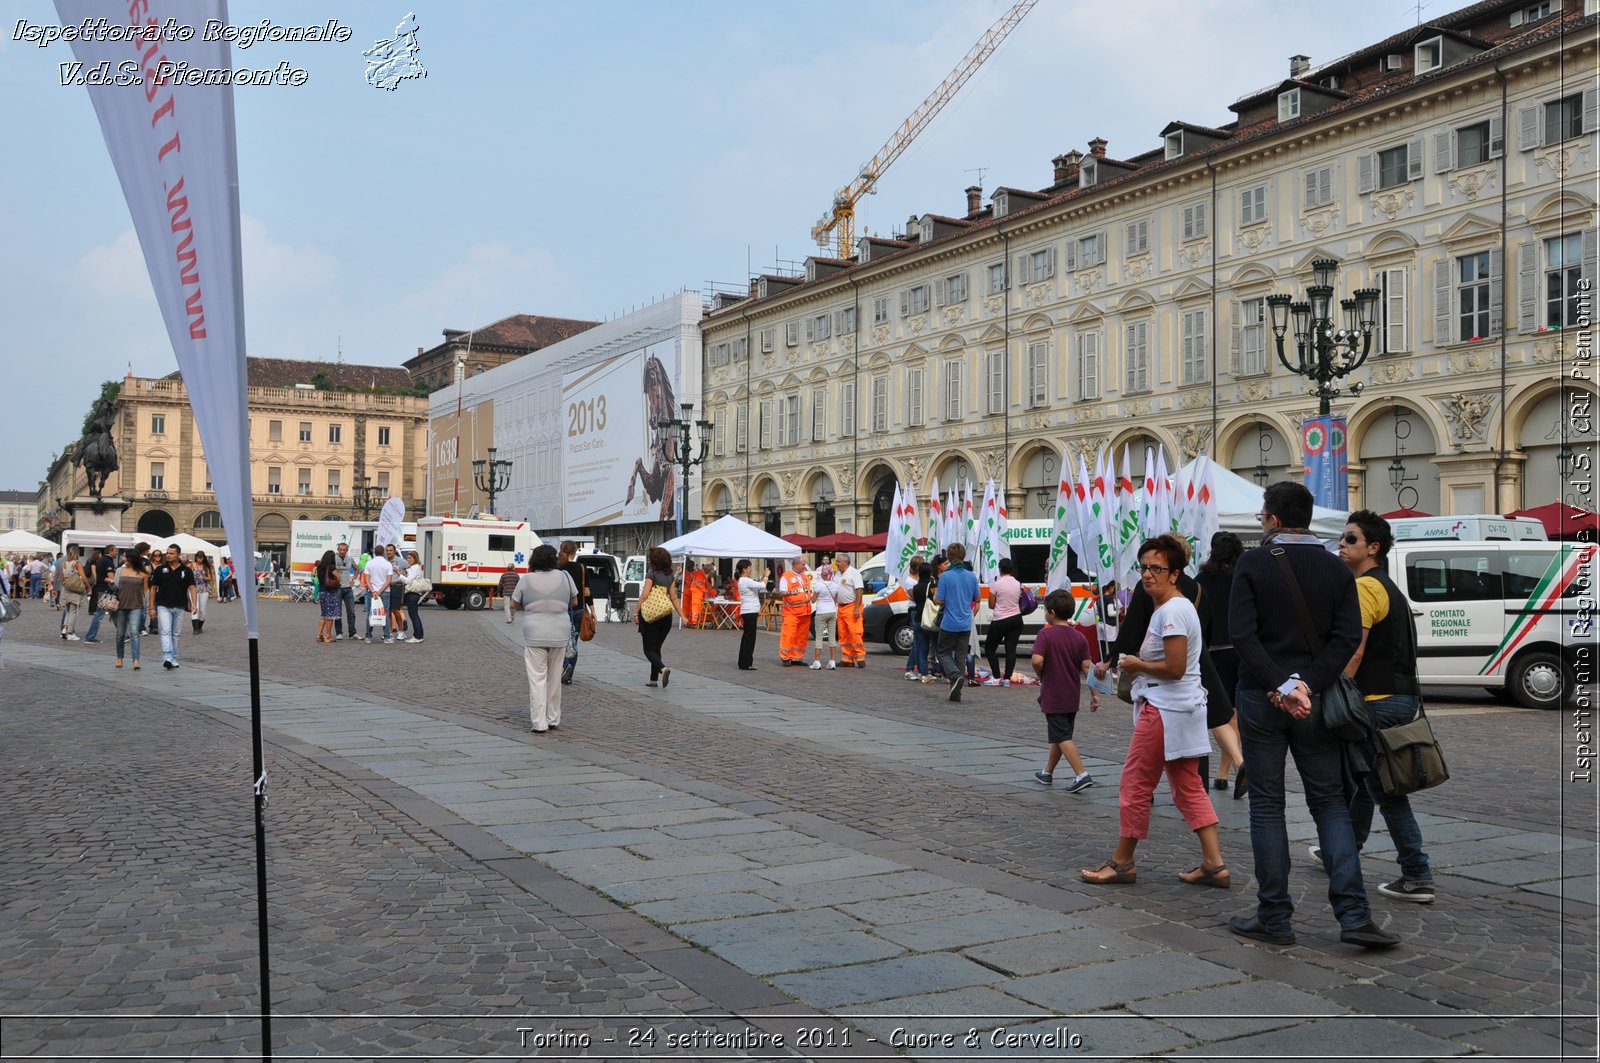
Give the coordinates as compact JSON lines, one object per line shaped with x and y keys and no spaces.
{"x":169,"y":621}
{"x":1403,"y":830}
{"x":347,"y":597}
{"x":126,"y":622}
{"x":1269,"y":735}
{"x":952,"y":647}
{"x":917,"y":659}
{"x":1007,"y":631}
{"x":412,"y":601}
{"x":94,"y":621}
{"x":569,"y":661}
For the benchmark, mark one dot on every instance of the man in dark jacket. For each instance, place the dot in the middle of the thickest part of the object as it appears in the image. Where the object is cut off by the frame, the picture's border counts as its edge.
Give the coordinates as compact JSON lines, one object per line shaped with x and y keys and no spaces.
{"x":1282,"y":673}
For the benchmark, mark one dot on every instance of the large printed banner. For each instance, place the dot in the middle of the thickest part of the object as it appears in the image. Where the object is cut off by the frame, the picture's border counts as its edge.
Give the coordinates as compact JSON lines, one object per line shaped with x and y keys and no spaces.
{"x":457,"y":440}
{"x":172,"y":144}
{"x":618,"y":467}
{"x":1327,"y":461}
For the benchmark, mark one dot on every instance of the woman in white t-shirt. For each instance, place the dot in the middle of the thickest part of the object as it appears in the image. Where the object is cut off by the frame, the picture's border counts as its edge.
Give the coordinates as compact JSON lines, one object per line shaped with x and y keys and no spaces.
{"x":1169,"y":730}
{"x":750,"y":592}
{"x":825,"y":613}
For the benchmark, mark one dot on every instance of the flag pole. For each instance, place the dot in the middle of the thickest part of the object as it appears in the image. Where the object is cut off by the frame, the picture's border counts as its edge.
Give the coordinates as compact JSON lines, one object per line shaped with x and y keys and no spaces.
{"x":260,"y":790}
{"x":1094,"y":576}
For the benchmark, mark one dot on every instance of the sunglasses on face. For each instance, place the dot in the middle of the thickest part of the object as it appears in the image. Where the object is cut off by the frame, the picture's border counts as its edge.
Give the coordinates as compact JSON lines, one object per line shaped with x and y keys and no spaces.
{"x":1351,"y":539}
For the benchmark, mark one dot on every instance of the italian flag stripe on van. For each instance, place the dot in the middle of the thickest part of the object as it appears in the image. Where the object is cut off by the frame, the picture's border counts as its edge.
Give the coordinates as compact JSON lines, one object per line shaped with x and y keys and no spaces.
{"x":1549,"y":589}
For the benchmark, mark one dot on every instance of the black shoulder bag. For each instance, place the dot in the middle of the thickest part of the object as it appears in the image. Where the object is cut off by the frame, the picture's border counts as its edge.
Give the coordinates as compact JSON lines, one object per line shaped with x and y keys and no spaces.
{"x":1342,"y":708}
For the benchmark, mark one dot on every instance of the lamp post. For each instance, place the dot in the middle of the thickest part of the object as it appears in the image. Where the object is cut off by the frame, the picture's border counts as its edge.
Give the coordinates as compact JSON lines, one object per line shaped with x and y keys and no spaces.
{"x":491,"y":476}
{"x":684,"y":427}
{"x":1324,"y":353}
{"x":366,"y":497}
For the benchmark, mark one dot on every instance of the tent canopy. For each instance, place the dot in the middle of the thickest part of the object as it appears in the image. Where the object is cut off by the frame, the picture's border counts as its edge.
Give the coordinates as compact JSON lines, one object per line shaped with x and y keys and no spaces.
{"x":26,"y":540}
{"x":189,"y":545}
{"x":851,"y":542}
{"x":1239,"y":500}
{"x":730,"y":537}
{"x":1404,"y":514}
{"x":1560,"y":520}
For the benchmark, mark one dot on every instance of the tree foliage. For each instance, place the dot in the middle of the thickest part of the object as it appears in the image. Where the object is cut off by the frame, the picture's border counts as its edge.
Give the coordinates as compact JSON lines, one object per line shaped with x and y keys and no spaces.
{"x":106,"y":403}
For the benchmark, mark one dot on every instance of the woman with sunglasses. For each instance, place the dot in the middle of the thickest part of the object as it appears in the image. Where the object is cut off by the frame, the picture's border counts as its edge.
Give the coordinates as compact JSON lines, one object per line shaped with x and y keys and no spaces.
{"x":1169,"y":729}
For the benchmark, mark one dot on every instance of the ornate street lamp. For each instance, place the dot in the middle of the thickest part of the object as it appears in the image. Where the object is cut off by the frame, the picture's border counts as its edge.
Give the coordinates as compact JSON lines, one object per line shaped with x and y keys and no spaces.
{"x":367,"y":497}
{"x":684,"y":427}
{"x":1324,"y":353}
{"x":1564,"y":462}
{"x":1046,"y":496}
{"x":1263,"y":444}
{"x":1405,"y":496}
{"x":491,"y":476}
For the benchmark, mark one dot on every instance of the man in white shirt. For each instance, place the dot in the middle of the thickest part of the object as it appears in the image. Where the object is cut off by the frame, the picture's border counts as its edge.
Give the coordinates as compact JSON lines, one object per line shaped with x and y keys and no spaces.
{"x":851,"y":596}
{"x":378,"y":574}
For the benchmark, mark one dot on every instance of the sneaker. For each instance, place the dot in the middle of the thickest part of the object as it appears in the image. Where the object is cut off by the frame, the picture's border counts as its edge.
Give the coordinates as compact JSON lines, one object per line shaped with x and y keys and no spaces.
{"x":1369,"y":936}
{"x":955,"y":687}
{"x":338,"y":637}
{"x":168,"y":665}
{"x":1402,"y":890}
{"x":1005,"y":682}
{"x":92,"y":642}
{"x":1315,"y":851}
{"x":816,"y":666}
{"x":369,"y":640}
{"x":1043,"y":778}
{"x":402,"y":637}
{"x":1082,"y":782}
{"x":72,"y":638}
{"x":913,"y":676}
{"x":417,"y":639}
{"x":830,"y":666}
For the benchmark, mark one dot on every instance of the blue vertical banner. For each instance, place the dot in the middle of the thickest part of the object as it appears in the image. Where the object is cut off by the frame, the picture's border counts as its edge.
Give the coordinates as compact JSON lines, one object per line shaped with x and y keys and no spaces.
{"x":1327,"y":461}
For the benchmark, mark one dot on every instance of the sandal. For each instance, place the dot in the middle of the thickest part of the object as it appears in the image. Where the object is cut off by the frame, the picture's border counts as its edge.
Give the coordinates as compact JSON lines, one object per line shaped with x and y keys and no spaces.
{"x":1121,"y":874}
{"x":1208,"y":876}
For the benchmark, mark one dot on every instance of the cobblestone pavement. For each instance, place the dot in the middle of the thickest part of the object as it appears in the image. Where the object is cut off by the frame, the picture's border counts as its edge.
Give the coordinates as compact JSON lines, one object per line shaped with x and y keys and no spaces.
{"x":843,"y":844}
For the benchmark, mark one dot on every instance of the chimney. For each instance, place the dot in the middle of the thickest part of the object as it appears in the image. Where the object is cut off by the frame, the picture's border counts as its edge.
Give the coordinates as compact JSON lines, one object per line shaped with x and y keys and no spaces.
{"x":974,"y":200}
{"x":1066,"y":165}
{"x":419,"y":351}
{"x":1298,"y":65}
{"x":1097,"y":147}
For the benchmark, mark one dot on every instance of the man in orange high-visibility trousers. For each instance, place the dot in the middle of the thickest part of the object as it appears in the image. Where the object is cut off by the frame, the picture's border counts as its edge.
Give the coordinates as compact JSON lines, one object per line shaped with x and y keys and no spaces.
{"x":794,"y":590}
{"x":696,"y":588}
{"x":851,"y":596}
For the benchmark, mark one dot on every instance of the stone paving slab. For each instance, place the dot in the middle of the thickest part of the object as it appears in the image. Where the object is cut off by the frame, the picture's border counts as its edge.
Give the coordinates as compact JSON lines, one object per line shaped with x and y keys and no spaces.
{"x":1118,"y":982}
{"x":977,"y":928}
{"x":709,"y":906}
{"x":1229,"y":1011}
{"x":1076,"y":947}
{"x":1359,"y":1038}
{"x":928,"y":973}
{"x":809,"y":951}
{"x":965,"y":900}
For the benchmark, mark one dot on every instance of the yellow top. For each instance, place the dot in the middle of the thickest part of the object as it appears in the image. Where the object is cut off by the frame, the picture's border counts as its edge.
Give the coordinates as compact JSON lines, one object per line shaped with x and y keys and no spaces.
{"x":1374,"y":607}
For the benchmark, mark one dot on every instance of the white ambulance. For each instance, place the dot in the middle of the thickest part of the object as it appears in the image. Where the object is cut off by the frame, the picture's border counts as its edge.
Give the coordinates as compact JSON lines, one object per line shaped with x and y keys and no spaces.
{"x":465,"y":558}
{"x":1487,"y":527}
{"x":1515,"y":616}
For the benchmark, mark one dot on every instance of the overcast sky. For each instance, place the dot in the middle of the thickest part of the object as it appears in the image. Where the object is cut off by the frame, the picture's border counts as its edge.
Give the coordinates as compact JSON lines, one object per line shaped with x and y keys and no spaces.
{"x":580,"y":159}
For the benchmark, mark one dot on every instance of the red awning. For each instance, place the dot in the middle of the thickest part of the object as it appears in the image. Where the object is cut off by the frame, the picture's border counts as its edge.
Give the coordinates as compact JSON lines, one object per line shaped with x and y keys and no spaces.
{"x":850,"y":541}
{"x":804,"y":542}
{"x":1562,"y":521}
{"x":1400,"y":513}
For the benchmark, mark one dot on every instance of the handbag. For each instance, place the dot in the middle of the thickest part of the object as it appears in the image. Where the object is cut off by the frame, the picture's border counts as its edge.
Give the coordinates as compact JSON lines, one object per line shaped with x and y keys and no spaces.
{"x":9,"y":609}
{"x":1342,"y":707}
{"x":1027,"y":602}
{"x":422,"y":585}
{"x":656,"y":604}
{"x":108,"y":602}
{"x":74,"y":581}
{"x":586,"y":627}
{"x":1408,"y":757}
{"x":932,"y":613}
{"x":1125,"y":685}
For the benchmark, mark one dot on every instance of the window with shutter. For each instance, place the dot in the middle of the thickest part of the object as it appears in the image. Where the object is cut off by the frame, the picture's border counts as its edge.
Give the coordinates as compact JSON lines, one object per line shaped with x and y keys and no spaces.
{"x":847,"y":409}
{"x":880,"y":404}
{"x":819,"y":414}
{"x":997,"y":278}
{"x":719,"y":440}
{"x":1038,"y":374}
{"x":1138,"y":237}
{"x":769,"y":339}
{"x":955,"y":288}
{"x":794,"y":420}
{"x":1472,"y":296}
{"x":846,"y":321}
{"x":1563,"y":276}
{"x":914,"y":377}
{"x":1393,"y":333}
{"x":1196,"y":363}
{"x":1441,"y":302}
{"x":996,"y":383}
{"x":1527,"y":287}
{"x":791,"y":334}
{"x":1318,"y":185}
{"x":1564,"y":118}
{"x":1253,"y":205}
{"x":741,"y":429}
{"x":1252,"y":339}
{"x":953,"y":406}
{"x":880,"y":310}
{"x":1088,"y":365}
{"x":766,"y":424}
{"x":811,"y":329}
{"x":1194,"y":221}
{"x":1138,"y":351}
{"x":1288,"y":105}
{"x":1041,"y":266}
{"x":824,"y":326}
{"x":741,"y":349}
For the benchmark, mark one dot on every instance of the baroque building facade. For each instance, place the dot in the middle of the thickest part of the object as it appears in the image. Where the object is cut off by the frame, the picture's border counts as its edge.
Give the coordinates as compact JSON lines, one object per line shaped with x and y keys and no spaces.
{"x":317,"y":431}
{"x":1451,"y":166}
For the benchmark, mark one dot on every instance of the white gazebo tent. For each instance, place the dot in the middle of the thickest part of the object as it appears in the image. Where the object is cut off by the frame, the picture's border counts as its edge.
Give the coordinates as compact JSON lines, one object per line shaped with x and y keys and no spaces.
{"x":27,"y":542}
{"x":731,"y":537}
{"x":1239,"y":500}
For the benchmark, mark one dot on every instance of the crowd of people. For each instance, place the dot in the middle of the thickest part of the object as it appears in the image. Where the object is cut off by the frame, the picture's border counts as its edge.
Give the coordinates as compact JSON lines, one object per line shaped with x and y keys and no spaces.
{"x":139,"y":589}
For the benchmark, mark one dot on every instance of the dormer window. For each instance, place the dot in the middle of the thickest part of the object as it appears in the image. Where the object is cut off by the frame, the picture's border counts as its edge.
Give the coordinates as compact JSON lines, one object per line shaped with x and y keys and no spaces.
{"x":1535,"y":12}
{"x":1288,"y":105}
{"x":1391,"y":62}
{"x":1088,"y":173}
{"x":1173,"y":144}
{"x":1429,"y":55}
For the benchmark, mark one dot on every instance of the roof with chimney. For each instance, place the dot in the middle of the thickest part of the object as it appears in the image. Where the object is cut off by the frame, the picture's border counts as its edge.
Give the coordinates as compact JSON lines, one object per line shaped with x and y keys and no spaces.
{"x":519,"y":332}
{"x":1497,"y":40}
{"x":287,"y":372}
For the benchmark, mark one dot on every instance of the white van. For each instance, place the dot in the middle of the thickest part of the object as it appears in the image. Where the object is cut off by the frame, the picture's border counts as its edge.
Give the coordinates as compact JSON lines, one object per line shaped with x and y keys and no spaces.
{"x":1511,"y":616}
{"x":1472,"y":527}
{"x":465,"y":558}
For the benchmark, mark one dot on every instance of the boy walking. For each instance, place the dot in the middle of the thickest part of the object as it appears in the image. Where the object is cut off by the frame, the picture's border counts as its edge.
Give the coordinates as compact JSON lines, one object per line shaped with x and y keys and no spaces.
{"x":1061,"y":660}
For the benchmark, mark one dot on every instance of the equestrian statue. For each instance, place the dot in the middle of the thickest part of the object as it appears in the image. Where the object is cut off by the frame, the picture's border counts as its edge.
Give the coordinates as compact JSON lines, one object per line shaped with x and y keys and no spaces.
{"x":97,"y":453}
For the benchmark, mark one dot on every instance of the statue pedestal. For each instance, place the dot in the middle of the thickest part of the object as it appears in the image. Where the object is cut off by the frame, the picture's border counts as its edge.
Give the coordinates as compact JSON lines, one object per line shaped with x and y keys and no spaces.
{"x":90,"y":514}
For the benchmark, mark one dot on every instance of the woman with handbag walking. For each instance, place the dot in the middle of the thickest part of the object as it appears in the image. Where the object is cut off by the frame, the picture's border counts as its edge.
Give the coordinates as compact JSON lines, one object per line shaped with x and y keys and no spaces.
{"x":1169,"y":729}
{"x":658,"y":600}
{"x":544,"y":596}
{"x":74,"y":586}
{"x":132,"y":590}
{"x":202,"y":590}
{"x":569,"y":564}
{"x":418,"y":587}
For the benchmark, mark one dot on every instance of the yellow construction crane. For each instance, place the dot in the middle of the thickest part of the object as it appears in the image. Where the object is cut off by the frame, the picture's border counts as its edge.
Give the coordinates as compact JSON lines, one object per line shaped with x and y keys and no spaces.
{"x":841,"y":220}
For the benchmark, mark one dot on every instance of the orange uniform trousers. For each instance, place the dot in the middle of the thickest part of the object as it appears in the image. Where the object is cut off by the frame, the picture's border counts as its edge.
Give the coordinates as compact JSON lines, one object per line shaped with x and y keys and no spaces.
{"x":852,"y":643}
{"x":796,"y":631}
